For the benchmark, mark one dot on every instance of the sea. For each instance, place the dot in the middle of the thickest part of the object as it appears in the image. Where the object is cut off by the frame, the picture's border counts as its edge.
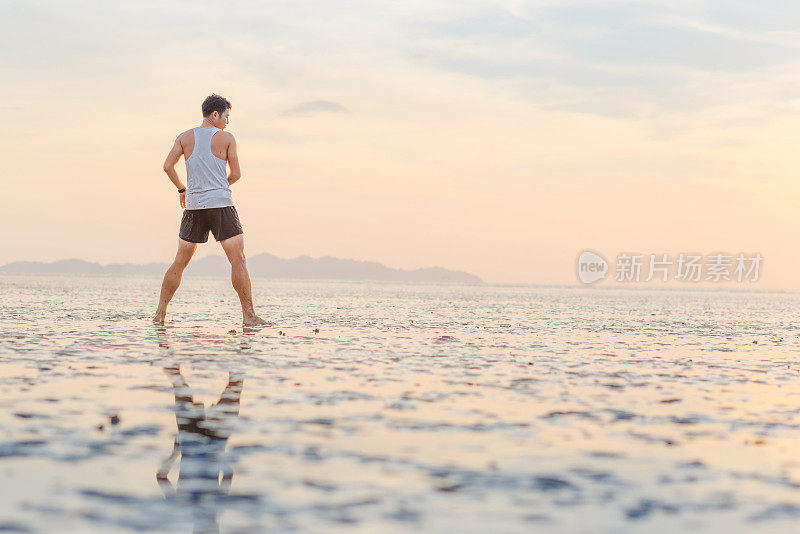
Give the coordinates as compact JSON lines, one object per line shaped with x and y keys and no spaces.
{"x":396,"y":407}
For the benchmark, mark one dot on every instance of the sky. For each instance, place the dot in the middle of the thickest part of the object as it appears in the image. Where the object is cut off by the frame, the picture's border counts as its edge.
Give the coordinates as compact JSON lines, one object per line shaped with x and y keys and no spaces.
{"x":499,"y":138}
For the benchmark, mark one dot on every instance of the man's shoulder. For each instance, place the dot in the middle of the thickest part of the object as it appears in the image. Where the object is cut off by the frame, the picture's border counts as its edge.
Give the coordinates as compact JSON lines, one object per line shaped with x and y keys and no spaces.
{"x":186,"y":134}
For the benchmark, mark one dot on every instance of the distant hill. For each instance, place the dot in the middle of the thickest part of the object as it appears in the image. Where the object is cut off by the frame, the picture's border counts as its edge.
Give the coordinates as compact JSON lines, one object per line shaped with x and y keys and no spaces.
{"x":263,"y":266}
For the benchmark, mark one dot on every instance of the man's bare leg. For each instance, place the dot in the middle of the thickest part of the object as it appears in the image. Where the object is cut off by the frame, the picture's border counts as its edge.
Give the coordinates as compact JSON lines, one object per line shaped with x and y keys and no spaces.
{"x":240,"y":278}
{"x":172,"y":278}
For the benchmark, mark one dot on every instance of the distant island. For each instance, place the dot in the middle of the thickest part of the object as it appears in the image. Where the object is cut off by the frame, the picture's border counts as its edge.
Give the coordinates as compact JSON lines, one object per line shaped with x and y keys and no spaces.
{"x":262,"y":266}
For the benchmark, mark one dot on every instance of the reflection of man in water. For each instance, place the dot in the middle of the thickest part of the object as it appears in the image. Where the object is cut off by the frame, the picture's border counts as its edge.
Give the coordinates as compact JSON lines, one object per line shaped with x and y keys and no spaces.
{"x":201,"y":440}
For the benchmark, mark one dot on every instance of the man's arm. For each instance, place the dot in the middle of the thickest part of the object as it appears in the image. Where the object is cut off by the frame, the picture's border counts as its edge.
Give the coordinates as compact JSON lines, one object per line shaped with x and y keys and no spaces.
{"x":169,"y":168}
{"x":233,"y":161}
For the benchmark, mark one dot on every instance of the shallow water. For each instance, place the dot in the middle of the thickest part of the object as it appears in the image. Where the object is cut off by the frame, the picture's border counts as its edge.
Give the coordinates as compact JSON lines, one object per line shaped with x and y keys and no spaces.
{"x":414,"y":408}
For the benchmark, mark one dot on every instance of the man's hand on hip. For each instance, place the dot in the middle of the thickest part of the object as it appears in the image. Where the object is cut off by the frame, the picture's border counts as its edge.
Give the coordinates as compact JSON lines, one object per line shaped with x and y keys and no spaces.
{"x":182,"y":198}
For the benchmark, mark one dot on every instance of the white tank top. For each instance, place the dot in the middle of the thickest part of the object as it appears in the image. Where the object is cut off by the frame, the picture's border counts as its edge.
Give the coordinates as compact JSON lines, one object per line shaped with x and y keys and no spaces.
{"x":206,"y":180}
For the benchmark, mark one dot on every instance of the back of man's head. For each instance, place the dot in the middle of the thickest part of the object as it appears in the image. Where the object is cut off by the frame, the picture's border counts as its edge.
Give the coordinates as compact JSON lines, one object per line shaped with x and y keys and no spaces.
{"x":215,"y":103}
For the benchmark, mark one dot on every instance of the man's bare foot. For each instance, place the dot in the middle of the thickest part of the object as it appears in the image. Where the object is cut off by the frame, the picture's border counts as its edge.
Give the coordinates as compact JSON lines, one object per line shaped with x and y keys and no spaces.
{"x":255,"y":320}
{"x":160,"y":317}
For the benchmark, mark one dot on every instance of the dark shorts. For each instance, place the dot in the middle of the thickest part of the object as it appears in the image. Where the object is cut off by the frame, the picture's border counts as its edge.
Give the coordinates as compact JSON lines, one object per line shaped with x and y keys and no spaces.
{"x":222,"y":222}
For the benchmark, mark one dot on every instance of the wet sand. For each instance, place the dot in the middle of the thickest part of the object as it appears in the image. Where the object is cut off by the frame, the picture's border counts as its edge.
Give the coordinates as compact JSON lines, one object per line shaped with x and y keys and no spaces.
{"x":414,"y":408}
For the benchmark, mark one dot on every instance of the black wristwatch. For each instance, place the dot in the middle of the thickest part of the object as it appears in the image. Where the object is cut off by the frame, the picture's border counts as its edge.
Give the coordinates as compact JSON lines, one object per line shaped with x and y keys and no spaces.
{"x":182,"y":190}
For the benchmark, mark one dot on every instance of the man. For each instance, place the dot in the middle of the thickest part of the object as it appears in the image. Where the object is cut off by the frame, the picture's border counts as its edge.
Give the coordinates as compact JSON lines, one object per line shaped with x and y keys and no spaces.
{"x":208,"y":204}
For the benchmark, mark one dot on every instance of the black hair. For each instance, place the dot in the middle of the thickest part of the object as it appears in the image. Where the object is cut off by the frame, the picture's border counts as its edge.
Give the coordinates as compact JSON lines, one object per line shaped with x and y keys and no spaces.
{"x":215,"y":103}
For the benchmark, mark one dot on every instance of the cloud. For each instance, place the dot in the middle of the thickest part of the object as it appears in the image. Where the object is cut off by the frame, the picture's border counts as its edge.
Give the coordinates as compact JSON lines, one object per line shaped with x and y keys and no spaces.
{"x":313,"y":107}
{"x":615,"y":58}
